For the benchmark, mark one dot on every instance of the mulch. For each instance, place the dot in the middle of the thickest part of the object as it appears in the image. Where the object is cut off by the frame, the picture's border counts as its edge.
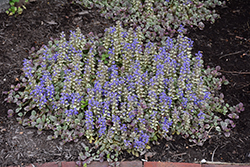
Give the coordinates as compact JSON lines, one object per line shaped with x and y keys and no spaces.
{"x":225,"y":43}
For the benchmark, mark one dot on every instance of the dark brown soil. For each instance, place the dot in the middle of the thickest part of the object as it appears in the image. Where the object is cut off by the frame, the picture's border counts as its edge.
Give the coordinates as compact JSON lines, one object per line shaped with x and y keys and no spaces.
{"x":225,"y":43}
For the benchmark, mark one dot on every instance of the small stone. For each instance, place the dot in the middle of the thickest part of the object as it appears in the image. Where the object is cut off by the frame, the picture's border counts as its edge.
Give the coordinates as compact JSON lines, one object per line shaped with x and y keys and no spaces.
{"x":203,"y":161}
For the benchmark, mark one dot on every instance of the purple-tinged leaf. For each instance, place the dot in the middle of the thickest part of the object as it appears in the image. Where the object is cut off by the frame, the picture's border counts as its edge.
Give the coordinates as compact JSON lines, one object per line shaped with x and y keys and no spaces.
{"x":223,"y":125}
{"x":24,"y":80}
{"x":78,"y":163}
{"x":81,"y":156}
{"x":33,"y":124}
{"x":87,"y":154}
{"x":5,"y":92}
{"x":227,"y":134}
{"x":200,"y":143}
{"x":207,"y":126}
{"x":233,"y":116}
{"x":10,"y":113}
{"x":39,"y":131}
{"x":18,"y":109}
{"x":230,"y":116}
{"x":221,"y":96}
{"x":15,"y":100}
{"x":233,"y":125}
{"x":201,"y":25}
{"x":217,"y":68}
{"x":89,"y":160}
{"x":241,"y":107}
{"x":9,"y":99}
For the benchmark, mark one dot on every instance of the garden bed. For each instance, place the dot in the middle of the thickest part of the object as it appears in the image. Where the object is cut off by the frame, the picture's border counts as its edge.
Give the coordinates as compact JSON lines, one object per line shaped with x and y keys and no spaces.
{"x":225,"y":43}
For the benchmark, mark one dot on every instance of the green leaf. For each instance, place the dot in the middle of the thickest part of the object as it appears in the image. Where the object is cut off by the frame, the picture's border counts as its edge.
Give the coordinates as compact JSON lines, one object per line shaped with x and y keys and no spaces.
{"x":84,"y":104}
{"x":218,"y":129}
{"x":32,"y":117}
{"x":86,"y":149}
{"x":38,"y":120}
{"x":19,"y":10}
{"x":83,"y":157}
{"x":20,"y":114}
{"x":58,"y":128}
{"x":52,"y":118}
{"x":57,"y":97}
{"x":49,"y":68}
{"x":117,"y":138}
{"x":133,"y":152}
{"x":49,"y":137}
{"x":80,"y":116}
{"x":155,"y":138}
{"x":65,"y":127}
{"x":18,"y":109}
{"x":136,"y":154}
{"x":13,"y":9}
{"x":77,"y":121}
{"x":102,"y":147}
{"x":33,"y":113}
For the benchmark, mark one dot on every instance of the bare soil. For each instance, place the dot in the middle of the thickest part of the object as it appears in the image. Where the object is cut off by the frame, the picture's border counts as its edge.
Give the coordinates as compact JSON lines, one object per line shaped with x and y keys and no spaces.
{"x":225,"y":43}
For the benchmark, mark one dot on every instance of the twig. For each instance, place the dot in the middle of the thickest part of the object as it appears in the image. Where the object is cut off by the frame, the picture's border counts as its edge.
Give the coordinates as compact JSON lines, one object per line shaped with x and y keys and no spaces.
{"x":213,"y":153}
{"x":242,"y":141}
{"x":234,"y":72}
{"x":224,"y":145}
{"x":230,"y":54}
{"x":176,"y":155}
{"x":6,"y":39}
{"x":244,"y":86}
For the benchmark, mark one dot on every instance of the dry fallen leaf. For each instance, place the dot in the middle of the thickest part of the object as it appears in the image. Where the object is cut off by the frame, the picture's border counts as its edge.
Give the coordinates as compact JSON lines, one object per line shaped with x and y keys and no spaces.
{"x":2,"y":129}
{"x":149,"y":154}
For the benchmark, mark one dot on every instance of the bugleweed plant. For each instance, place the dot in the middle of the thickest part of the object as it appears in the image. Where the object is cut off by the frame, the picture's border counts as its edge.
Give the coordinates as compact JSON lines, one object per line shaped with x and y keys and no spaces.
{"x":139,"y":94}
{"x":157,"y":18}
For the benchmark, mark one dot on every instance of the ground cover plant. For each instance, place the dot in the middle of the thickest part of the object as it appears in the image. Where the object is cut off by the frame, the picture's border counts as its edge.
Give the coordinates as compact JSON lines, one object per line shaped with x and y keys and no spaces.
{"x":138,"y":94}
{"x":16,"y":7}
{"x":26,"y":30}
{"x":157,"y":18}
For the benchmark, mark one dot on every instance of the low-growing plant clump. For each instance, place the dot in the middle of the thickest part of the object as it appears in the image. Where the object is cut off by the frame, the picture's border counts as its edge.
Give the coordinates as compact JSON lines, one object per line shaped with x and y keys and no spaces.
{"x":16,"y":7}
{"x":137,"y":94}
{"x":157,"y":18}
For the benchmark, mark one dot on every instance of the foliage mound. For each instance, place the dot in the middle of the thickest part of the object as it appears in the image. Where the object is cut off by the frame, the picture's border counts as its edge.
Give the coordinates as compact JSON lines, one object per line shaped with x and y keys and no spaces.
{"x":16,"y":7}
{"x":157,"y":18}
{"x":137,"y":94}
